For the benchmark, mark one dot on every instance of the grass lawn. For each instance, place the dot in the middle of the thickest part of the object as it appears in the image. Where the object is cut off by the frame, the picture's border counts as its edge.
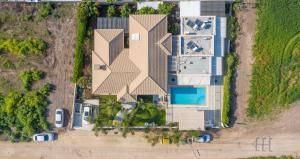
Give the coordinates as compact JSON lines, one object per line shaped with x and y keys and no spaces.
{"x":276,"y":71}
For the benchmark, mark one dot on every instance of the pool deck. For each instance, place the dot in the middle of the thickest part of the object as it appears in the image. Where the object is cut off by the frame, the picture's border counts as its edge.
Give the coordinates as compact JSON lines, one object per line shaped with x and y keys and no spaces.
{"x":211,"y":111}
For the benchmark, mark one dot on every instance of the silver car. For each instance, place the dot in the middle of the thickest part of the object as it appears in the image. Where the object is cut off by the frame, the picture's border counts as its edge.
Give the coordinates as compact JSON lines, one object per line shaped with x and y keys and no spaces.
{"x":43,"y":137}
{"x":59,"y":118}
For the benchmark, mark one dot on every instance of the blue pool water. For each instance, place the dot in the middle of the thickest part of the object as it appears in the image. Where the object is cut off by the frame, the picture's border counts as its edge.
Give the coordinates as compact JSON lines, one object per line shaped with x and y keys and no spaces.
{"x":188,"y":95}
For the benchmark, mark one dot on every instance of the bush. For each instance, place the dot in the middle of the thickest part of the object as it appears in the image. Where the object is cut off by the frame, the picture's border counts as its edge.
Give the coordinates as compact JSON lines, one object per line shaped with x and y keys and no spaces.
{"x":27,"y":77}
{"x":165,"y":8}
{"x":125,"y":10}
{"x":111,"y":11}
{"x":86,"y":10}
{"x":174,"y":28}
{"x":44,"y":10}
{"x":23,"y":114}
{"x":29,"y":46}
{"x":231,"y":63}
{"x":46,"y":89}
{"x":146,"y":10}
{"x":233,"y":28}
{"x":9,"y":64}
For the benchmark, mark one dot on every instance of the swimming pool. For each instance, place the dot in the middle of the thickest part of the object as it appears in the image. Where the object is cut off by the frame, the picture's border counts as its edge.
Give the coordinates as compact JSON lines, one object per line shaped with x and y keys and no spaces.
{"x":188,"y":95}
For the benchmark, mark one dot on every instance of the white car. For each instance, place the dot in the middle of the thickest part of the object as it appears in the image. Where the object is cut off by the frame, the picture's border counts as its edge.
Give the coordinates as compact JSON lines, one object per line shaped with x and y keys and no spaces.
{"x":59,"y":118}
{"x":85,"y":115}
{"x":43,"y":137}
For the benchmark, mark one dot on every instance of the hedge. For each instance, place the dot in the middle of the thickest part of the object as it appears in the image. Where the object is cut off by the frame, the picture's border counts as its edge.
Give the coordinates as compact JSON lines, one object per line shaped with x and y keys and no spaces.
{"x":231,"y":63}
{"x":85,"y":11}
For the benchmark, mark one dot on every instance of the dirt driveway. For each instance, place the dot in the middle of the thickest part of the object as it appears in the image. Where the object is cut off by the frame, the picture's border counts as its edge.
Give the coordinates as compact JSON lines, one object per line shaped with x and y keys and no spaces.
{"x":60,"y":65}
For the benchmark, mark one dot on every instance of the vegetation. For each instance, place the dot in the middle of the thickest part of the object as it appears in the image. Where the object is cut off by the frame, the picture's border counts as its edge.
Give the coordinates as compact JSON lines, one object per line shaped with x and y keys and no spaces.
{"x":146,"y":113}
{"x":84,"y":81}
{"x":86,"y":10}
{"x":174,"y":28}
{"x":29,"y":46}
{"x":23,"y":114}
{"x":110,"y":1}
{"x":165,"y":8}
{"x":27,"y":77}
{"x":141,"y":114}
{"x":276,"y":76}
{"x":111,"y":11}
{"x":8,"y":64}
{"x":146,"y":10}
{"x":107,"y":111}
{"x":43,"y":11}
{"x":125,"y":10}
{"x":233,"y":28}
{"x":231,"y":63}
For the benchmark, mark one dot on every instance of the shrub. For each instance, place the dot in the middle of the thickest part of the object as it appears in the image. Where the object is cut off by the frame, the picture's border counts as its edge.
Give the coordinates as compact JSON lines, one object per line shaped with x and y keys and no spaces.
{"x":9,"y":64}
{"x":125,"y":10}
{"x":29,"y":46}
{"x":231,"y":63}
{"x":27,"y":77}
{"x":233,"y":28}
{"x":84,"y":82}
{"x":23,"y":114}
{"x":110,"y":1}
{"x":165,"y":8}
{"x":146,"y":10}
{"x":44,"y":10}
{"x":46,"y":89}
{"x":111,"y":11}
{"x":174,"y":28}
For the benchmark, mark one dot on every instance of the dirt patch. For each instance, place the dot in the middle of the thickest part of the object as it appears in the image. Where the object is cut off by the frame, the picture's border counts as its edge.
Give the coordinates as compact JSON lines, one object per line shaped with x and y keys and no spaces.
{"x":58,"y":31}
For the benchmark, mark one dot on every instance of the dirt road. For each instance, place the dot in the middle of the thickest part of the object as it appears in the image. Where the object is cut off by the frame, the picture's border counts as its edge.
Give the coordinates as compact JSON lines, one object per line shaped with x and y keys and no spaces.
{"x":245,"y":39}
{"x":84,"y":145}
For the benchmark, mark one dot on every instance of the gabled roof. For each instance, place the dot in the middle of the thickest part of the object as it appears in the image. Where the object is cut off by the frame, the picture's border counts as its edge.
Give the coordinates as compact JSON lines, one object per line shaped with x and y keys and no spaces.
{"x":109,"y":34}
{"x":148,"y":21}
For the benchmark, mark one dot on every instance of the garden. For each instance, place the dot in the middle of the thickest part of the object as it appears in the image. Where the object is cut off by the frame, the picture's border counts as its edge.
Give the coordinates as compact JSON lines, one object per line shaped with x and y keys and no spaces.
{"x":275,"y":80}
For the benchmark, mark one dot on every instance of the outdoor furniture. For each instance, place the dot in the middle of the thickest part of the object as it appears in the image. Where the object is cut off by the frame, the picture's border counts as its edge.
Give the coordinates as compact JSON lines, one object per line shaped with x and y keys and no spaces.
{"x":190,"y":23}
{"x":196,"y":27}
{"x":195,"y":48}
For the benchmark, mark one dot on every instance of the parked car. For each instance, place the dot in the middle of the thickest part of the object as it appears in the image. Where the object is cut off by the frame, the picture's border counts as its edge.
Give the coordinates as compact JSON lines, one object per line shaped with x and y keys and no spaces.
{"x":59,"y":118}
{"x":204,"y":138}
{"x":43,"y":137}
{"x":85,"y":115}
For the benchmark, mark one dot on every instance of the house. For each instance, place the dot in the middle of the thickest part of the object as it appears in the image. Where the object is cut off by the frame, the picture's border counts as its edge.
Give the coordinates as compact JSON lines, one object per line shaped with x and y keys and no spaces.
{"x":140,"y":69}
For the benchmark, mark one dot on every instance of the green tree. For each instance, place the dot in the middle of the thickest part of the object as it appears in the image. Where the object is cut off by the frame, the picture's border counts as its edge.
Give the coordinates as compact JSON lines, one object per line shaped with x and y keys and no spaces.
{"x":125,"y":10}
{"x":111,"y":11}
{"x":165,"y":8}
{"x":146,"y":10}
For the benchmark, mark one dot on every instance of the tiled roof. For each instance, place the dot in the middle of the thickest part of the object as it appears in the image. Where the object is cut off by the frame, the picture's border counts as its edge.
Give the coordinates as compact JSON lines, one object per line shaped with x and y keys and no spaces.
{"x":148,"y":21}
{"x":139,"y":70}
{"x":109,"y":34}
